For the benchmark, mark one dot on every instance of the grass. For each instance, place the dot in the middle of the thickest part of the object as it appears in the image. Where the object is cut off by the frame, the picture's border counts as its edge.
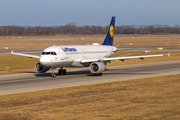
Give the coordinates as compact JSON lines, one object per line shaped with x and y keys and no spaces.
{"x":145,"y":98}
{"x":17,"y":64}
{"x":121,"y":40}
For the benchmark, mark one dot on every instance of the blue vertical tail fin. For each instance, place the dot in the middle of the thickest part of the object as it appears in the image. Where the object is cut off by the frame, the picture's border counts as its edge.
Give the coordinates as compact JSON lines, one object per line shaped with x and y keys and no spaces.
{"x":110,"y":33}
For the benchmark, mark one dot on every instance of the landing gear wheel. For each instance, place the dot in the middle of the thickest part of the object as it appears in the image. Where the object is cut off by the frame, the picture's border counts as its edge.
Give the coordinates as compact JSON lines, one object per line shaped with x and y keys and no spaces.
{"x":64,"y":72}
{"x":60,"y":72}
{"x":53,"y":75}
{"x":100,"y":74}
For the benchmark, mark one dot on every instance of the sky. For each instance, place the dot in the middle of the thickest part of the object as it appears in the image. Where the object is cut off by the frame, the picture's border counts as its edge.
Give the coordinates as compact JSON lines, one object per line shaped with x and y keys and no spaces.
{"x":89,"y":12}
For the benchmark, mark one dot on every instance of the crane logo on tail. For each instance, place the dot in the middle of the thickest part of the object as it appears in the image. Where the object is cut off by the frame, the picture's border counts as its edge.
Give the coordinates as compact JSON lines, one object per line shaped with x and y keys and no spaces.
{"x":111,"y":31}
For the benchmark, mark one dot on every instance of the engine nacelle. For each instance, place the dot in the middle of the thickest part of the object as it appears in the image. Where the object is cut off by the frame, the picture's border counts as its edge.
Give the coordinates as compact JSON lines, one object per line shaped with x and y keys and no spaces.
{"x":40,"y":68}
{"x":97,"y":67}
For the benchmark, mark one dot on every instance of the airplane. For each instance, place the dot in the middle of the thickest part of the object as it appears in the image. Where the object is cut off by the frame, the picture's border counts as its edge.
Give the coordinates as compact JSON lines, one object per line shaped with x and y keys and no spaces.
{"x":94,"y":56}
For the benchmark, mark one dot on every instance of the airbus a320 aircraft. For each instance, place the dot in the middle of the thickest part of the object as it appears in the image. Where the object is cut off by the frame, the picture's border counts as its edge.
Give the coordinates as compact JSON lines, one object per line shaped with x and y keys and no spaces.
{"x":94,"y":56}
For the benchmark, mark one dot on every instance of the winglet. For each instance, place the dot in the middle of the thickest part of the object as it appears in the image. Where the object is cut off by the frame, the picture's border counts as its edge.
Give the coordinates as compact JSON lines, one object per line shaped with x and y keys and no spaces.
{"x":169,"y":54}
{"x":12,"y":52}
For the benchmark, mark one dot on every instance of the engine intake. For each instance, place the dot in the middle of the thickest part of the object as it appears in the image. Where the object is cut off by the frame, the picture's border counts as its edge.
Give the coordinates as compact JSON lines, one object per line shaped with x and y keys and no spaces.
{"x":97,"y":67}
{"x":40,"y":68}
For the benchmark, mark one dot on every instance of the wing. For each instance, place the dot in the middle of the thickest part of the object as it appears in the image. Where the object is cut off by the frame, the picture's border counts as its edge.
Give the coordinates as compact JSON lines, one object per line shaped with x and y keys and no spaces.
{"x":121,"y":58}
{"x":27,"y":55}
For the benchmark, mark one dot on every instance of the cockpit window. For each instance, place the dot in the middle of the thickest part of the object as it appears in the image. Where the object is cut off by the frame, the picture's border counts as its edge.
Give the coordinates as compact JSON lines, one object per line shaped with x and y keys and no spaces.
{"x":49,"y":53}
{"x":53,"y":53}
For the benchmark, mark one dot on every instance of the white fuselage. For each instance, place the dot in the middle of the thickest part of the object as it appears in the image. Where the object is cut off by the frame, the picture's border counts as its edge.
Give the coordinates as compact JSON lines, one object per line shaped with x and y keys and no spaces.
{"x":71,"y":55}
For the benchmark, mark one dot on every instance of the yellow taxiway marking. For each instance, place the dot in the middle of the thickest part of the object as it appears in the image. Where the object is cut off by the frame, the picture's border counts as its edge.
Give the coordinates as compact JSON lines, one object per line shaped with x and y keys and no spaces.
{"x":86,"y":84}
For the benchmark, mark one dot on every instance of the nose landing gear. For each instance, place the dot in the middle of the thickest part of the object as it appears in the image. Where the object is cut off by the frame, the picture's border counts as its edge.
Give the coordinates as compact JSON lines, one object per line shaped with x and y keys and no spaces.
{"x":60,"y":72}
{"x":53,"y":74}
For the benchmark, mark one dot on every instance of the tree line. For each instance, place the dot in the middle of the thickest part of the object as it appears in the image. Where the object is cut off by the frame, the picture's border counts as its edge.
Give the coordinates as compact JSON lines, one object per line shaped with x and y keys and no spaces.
{"x":73,"y":29}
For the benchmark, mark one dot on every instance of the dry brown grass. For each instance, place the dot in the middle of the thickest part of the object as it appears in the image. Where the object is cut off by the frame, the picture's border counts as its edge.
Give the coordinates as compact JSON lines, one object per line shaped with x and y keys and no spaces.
{"x":48,"y":37}
{"x":144,"y":40}
{"x":17,"y":64}
{"x":145,"y":98}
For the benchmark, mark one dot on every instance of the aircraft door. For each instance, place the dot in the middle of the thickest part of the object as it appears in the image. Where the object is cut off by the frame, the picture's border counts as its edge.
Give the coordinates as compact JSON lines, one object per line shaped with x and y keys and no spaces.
{"x":82,"y":53}
{"x":55,"y":56}
{"x":62,"y":56}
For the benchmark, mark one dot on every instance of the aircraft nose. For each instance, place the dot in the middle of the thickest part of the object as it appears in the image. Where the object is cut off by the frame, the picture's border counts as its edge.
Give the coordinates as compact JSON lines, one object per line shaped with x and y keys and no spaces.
{"x":42,"y":60}
{"x":46,"y":61}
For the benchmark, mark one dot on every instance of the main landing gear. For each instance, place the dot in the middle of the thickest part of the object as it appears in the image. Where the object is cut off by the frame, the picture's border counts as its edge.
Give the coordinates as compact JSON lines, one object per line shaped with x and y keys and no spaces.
{"x":60,"y":72}
{"x":100,"y":74}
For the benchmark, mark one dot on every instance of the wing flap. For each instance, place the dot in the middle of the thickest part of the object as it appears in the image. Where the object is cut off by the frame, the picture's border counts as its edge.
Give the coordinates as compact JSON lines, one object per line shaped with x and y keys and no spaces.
{"x":89,"y":60}
{"x":131,"y":57}
{"x":121,"y":58}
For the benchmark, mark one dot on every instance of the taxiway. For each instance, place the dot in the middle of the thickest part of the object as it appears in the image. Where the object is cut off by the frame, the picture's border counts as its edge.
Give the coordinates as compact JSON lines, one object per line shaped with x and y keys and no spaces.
{"x":37,"y":81}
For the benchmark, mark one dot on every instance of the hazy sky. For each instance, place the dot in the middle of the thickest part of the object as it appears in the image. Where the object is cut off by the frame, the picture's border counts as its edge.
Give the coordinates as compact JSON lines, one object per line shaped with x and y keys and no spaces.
{"x":88,"y":12}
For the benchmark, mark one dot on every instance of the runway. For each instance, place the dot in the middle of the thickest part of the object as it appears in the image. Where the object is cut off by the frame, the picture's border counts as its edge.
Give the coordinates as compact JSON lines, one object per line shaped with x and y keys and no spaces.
{"x":37,"y":81}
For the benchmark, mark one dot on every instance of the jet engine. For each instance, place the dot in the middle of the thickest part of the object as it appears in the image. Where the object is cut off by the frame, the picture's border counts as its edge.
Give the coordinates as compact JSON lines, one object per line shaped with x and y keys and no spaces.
{"x":40,"y":68}
{"x":97,"y":67}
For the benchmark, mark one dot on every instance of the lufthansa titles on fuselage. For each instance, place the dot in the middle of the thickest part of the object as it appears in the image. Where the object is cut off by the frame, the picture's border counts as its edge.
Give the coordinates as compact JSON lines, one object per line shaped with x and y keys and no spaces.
{"x":66,"y":49}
